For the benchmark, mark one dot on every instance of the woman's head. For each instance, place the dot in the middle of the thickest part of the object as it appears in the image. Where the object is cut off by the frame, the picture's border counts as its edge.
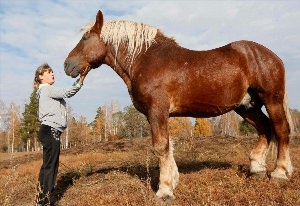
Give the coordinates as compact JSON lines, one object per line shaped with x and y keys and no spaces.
{"x":43,"y":75}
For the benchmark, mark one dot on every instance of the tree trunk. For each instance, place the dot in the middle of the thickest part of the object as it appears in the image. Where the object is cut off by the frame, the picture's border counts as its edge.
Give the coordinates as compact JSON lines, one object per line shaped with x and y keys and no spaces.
{"x":13,"y":134}
{"x":67,"y":138}
{"x":28,"y":145}
{"x":8,"y":143}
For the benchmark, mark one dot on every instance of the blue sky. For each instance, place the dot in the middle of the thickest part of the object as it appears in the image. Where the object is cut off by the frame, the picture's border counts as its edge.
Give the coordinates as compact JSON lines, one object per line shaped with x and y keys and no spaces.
{"x":35,"y":32}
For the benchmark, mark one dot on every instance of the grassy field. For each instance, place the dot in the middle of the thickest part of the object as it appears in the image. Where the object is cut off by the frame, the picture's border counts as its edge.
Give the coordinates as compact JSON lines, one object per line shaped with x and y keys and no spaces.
{"x":213,"y":171}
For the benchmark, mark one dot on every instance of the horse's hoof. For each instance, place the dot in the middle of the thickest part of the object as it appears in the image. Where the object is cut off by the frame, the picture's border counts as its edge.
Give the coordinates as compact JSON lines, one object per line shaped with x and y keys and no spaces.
{"x":165,"y":200}
{"x":165,"y":196}
{"x":279,"y":174}
{"x":258,"y":175}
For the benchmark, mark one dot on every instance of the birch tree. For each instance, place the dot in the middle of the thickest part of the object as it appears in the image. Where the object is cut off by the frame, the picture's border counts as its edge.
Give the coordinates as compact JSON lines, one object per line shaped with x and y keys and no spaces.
{"x":13,"y":119}
{"x":227,"y":124}
{"x":296,"y":120}
{"x":3,"y":126}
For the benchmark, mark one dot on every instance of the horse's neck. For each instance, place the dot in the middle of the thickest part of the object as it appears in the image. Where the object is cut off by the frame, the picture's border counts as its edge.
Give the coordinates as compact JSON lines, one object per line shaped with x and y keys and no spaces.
{"x":119,"y":65}
{"x":127,"y":67}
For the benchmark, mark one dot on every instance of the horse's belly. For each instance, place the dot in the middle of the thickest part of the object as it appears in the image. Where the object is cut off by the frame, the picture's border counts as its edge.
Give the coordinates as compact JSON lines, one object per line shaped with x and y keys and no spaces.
{"x":199,"y":110}
{"x":207,"y":99}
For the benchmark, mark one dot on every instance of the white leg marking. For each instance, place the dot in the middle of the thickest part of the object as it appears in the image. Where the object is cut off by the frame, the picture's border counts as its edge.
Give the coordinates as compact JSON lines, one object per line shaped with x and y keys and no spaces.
{"x":289,"y":164}
{"x":258,"y":160}
{"x":174,"y":168}
{"x":283,"y":168}
{"x":169,"y":175}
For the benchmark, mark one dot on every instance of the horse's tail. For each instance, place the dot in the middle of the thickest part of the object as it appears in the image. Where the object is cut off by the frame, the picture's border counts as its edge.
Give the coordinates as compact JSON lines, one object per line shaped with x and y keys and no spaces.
{"x":288,"y":115}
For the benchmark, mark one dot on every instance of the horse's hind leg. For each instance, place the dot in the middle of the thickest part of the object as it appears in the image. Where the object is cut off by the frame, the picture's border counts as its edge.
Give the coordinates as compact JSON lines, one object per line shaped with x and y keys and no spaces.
{"x":278,"y":116}
{"x":163,"y":149}
{"x":261,"y":122}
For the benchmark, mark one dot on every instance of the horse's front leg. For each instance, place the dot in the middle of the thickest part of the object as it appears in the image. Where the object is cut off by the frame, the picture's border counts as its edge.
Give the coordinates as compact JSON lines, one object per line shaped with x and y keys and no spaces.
{"x":163,"y":149}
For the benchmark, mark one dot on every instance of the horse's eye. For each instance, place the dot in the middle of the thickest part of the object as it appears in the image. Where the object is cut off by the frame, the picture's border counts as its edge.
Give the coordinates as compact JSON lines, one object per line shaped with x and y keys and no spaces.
{"x":86,"y":37}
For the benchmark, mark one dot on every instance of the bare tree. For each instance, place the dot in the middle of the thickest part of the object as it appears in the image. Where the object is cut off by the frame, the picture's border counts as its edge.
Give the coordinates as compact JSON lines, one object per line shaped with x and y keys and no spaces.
{"x":227,"y":124}
{"x":4,"y":126}
{"x":110,"y":126}
{"x":13,"y":126}
{"x":296,"y":120}
{"x":65,"y":137}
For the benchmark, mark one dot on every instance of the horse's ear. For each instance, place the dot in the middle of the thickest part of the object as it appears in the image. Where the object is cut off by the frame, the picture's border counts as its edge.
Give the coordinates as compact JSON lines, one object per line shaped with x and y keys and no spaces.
{"x":99,"y":22}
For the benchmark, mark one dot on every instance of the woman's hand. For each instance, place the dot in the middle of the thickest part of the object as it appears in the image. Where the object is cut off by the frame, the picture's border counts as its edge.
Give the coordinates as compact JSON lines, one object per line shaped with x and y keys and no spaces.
{"x":81,"y":79}
{"x":83,"y":74}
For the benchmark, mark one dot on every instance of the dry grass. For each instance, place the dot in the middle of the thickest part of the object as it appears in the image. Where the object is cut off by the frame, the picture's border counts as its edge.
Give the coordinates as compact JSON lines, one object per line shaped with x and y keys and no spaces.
{"x":213,"y":171}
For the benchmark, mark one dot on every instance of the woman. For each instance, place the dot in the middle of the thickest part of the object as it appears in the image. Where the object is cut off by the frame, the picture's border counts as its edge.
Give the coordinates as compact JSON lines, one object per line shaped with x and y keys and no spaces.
{"x":53,"y":119}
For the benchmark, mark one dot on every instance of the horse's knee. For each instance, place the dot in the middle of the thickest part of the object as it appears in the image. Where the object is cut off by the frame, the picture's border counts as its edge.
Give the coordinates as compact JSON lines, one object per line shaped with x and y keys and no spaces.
{"x":160,"y":149}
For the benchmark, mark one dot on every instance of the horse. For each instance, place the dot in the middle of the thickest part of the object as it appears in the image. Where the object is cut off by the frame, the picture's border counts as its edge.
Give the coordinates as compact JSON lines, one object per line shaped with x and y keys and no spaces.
{"x":166,"y":80}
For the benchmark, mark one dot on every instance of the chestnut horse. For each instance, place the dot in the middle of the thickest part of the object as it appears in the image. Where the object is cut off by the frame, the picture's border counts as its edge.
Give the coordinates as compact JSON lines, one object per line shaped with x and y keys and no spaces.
{"x":166,"y":80}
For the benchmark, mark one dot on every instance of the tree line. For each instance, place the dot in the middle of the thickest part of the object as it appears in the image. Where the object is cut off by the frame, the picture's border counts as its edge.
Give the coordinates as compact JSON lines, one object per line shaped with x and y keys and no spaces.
{"x":18,"y":131}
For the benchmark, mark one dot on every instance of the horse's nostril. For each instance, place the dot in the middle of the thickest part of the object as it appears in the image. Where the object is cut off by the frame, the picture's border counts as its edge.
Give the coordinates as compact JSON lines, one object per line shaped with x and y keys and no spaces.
{"x":65,"y":65}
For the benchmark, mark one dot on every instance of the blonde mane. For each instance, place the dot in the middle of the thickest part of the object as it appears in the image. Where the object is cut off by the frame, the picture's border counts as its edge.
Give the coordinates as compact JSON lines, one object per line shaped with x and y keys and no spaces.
{"x":129,"y":33}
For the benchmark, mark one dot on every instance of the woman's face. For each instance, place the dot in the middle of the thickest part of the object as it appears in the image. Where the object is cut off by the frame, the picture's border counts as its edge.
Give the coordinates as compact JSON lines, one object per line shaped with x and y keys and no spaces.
{"x":47,"y":78}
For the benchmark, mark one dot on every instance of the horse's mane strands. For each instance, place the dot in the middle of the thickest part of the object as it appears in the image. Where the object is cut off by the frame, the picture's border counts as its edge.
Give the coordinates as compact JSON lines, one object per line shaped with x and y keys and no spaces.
{"x":87,"y":27}
{"x":132,"y":34}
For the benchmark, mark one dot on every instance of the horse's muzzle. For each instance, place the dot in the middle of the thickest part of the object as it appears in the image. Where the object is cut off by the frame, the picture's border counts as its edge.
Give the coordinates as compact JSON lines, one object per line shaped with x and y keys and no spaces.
{"x":71,"y":67}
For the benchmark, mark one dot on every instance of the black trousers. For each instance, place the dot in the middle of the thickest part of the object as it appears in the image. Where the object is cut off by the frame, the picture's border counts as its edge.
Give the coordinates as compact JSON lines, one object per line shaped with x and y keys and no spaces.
{"x":50,"y":139}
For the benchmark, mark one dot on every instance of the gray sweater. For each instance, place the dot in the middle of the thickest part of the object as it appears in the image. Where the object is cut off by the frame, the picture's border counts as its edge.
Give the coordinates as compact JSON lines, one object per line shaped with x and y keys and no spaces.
{"x":52,"y":106}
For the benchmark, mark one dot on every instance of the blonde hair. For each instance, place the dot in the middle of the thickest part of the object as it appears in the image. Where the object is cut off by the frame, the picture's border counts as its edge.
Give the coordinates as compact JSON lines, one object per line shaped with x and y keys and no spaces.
{"x":134,"y":35}
{"x":40,"y":71}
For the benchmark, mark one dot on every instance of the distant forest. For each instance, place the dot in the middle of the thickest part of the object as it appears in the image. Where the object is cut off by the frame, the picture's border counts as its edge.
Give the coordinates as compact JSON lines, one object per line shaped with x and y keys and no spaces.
{"x":18,"y":130}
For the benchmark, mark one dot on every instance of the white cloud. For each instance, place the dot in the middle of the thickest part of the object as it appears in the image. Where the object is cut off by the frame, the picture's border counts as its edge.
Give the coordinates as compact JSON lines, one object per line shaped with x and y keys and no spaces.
{"x":34,"y":32}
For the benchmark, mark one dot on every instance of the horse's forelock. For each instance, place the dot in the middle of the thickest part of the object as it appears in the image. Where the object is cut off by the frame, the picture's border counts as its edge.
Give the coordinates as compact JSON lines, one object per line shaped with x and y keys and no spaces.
{"x":87,"y":27}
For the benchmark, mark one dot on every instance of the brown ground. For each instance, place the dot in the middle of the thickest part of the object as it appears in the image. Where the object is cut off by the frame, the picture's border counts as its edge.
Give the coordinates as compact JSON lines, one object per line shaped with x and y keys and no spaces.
{"x":213,"y":171}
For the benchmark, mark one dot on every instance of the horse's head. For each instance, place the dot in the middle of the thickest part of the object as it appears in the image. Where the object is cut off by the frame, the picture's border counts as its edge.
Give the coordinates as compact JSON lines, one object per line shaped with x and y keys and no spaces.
{"x":89,"y":52}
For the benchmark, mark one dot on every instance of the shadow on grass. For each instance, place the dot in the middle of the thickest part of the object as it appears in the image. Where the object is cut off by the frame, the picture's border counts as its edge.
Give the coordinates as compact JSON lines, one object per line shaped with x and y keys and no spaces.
{"x":194,"y":166}
{"x":64,"y":182}
{"x":148,"y":175}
